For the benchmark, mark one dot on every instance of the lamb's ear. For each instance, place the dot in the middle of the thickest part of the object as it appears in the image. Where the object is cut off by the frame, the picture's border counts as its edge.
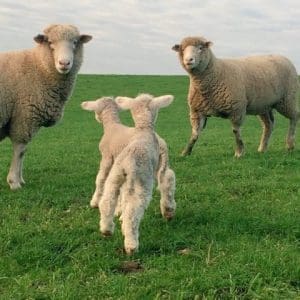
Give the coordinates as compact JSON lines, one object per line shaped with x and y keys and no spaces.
{"x":89,"y":105}
{"x":84,"y":38}
{"x":176,"y":48}
{"x":41,"y":38}
{"x":124,"y":102}
{"x":162,"y":101}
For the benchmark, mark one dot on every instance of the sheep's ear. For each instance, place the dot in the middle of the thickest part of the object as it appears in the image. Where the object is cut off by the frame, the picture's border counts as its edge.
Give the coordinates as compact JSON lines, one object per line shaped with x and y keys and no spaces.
{"x":124,"y":102}
{"x":84,"y":38}
{"x":162,"y":101}
{"x":89,"y":105}
{"x":41,"y":38}
{"x":208,"y":44}
{"x":176,"y":48}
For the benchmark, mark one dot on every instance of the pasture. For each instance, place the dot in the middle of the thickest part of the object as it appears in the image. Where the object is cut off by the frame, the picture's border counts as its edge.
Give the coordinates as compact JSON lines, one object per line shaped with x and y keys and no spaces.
{"x":236,"y":233}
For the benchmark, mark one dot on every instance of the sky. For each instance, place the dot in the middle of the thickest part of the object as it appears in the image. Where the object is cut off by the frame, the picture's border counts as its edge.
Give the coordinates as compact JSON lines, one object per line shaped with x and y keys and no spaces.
{"x":136,"y":36}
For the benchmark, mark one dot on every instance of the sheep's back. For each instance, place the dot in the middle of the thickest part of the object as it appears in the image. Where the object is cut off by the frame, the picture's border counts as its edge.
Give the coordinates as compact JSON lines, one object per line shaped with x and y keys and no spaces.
{"x":266,"y":80}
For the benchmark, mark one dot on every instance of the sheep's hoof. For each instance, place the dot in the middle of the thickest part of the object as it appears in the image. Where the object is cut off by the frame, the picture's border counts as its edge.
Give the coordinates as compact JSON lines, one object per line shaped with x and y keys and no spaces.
{"x":186,"y":152}
{"x":262,"y":149}
{"x":238,"y":154}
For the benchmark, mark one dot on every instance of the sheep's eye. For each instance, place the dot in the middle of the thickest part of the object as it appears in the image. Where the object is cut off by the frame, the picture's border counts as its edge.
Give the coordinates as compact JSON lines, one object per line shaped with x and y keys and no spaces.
{"x":75,"y":43}
{"x":200,"y":48}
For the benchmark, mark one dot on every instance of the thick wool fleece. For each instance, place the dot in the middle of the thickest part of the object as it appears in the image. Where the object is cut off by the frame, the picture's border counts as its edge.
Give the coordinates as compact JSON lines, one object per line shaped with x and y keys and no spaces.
{"x":250,"y":84}
{"x":232,"y":88}
{"x":33,"y":93}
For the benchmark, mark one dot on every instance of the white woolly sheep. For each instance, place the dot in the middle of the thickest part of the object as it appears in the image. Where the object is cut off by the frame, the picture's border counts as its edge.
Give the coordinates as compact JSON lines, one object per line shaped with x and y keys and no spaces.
{"x":232,"y":88}
{"x":115,"y":138}
{"x":34,"y":87}
{"x":133,"y":170}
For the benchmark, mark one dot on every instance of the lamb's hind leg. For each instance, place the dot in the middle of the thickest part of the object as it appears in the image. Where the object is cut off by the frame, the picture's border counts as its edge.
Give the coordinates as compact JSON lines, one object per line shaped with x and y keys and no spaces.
{"x":198,"y":122}
{"x":104,"y":169}
{"x":166,"y":185}
{"x":137,"y":201}
{"x":267,"y":120}
{"x":15,"y":177}
{"x":108,"y":202}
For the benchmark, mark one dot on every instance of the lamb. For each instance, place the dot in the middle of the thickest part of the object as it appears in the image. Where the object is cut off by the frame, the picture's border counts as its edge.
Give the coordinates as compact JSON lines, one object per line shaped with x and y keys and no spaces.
{"x":115,"y":138}
{"x":232,"y":88}
{"x":133,"y":170}
{"x":34,"y":87}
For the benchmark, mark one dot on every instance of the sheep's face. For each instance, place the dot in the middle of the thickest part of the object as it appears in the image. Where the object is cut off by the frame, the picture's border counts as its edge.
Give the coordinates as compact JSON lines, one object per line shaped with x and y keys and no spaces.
{"x":64,"y":42}
{"x":100,"y":106}
{"x":144,"y":108}
{"x":194,"y":53}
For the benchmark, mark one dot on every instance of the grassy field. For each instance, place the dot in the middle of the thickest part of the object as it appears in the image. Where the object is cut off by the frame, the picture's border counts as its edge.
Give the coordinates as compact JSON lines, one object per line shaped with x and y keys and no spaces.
{"x":236,"y":234}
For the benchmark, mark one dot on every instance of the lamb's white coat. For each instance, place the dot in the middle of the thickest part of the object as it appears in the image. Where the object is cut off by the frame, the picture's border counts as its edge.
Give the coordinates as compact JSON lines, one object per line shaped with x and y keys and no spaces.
{"x":144,"y":155}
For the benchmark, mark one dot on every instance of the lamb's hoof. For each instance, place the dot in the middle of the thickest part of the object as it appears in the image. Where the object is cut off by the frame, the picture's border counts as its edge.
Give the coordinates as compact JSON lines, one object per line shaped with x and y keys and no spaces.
{"x":169,"y":214}
{"x":106,"y":233}
{"x":93,"y":204}
{"x":130,"y":251}
{"x":14,"y":185}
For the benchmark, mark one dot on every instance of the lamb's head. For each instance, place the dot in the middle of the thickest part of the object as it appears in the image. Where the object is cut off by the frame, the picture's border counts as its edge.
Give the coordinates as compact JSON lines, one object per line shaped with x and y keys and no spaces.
{"x":102,"y":107}
{"x":144,"y":108}
{"x":194,"y":53}
{"x":64,"y":42}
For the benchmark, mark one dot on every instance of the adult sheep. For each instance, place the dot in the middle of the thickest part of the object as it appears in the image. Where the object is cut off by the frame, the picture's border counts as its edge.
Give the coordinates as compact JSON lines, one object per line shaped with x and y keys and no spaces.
{"x":34,"y":87}
{"x":232,"y":88}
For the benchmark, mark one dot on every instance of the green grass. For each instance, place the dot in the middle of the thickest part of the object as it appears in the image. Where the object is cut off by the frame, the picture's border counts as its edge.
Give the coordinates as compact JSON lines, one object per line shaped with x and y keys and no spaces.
{"x":237,"y":220}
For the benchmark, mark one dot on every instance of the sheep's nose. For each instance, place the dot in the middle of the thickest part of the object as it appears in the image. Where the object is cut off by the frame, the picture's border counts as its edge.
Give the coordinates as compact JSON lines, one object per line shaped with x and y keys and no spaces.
{"x":189,"y":60}
{"x":64,"y":62}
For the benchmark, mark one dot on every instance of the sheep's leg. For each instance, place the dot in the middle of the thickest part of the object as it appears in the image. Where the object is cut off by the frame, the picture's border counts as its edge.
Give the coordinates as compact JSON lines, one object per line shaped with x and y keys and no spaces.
{"x":109,"y":199}
{"x":287,"y":108}
{"x":198,"y":122}
{"x":15,"y":176}
{"x":267,"y":120}
{"x":105,"y":166}
{"x":136,"y":203}
{"x":166,"y":185}
{"x":290,"y":139}
{"x":236,"y":128}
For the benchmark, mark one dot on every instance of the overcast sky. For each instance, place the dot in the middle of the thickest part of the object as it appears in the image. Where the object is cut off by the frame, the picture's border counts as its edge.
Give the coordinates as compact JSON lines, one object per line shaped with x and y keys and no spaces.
{"x":135,"y":37}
